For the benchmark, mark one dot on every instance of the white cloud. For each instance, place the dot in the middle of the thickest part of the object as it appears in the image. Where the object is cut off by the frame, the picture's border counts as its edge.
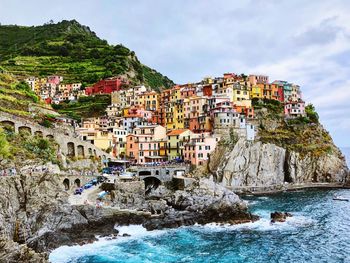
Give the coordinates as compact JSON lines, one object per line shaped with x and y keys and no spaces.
{"x":305,"y":42}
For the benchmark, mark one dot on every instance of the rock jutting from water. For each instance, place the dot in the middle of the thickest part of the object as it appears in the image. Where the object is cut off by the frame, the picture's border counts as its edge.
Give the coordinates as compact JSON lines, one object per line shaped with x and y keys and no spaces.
{"x":279,"y":216}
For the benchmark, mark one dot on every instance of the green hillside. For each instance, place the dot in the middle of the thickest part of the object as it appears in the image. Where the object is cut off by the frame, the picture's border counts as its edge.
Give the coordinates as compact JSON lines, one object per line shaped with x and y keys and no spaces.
{"x":15,"y":97}
{"x":73,"y":51}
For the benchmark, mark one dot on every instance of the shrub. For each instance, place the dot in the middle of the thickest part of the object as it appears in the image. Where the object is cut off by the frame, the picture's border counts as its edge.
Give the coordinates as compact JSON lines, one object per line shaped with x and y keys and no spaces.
{"x":311,"y":113}
{"x":4,"y":144}
{"x":46,"y":123}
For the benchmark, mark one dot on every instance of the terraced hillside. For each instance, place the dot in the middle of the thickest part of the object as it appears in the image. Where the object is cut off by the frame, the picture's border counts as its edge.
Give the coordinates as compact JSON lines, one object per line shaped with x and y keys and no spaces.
{"x":15,"y":96}
{"x":73,"y":51}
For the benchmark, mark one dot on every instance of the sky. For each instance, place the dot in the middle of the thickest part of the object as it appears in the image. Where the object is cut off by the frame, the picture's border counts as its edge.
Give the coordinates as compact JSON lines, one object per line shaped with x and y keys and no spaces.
{"x":303,"y":42}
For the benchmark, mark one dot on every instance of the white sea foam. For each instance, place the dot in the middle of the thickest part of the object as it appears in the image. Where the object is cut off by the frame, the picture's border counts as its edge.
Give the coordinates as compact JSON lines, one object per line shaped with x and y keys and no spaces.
{"x":68,"y":253}
{"x":263,"y":224}
{"x":106,"y":246}
{"x":263,"y":197}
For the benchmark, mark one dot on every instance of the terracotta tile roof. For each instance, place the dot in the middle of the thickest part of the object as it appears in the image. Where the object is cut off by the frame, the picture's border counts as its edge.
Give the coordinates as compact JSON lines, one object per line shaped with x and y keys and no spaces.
{"x":176,"y":132}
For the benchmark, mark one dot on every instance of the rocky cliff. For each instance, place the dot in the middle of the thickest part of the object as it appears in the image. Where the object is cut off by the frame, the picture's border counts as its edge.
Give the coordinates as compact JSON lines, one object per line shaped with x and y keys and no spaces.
{"x":262,"y":166}
{"x":286,"y":153}
{"x":35,"y":215}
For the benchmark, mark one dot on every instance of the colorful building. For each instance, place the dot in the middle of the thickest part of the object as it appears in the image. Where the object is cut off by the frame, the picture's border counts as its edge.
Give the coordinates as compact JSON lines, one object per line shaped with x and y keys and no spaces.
{"x":294,"y":108}
{"x":143,"y":146}
{"x":198,"y":149}
{"x":107,"y":86}
{"x":176,"y":140}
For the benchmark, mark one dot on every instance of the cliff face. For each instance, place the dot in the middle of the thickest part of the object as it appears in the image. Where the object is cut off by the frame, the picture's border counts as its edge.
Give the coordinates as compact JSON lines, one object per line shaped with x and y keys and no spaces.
{"x":35,"y":215}
{"x":266,"y":166}
{"x":32,"y":206}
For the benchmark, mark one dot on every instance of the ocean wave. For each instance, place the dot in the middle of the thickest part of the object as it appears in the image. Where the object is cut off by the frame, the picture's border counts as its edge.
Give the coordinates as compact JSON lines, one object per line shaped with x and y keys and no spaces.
{"x":66,"y":254}
{"x":107,"y":246}
{"x":263,"y":224}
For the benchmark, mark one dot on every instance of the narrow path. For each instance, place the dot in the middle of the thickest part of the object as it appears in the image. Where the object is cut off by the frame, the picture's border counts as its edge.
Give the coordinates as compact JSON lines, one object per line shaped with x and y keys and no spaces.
{"x":88,"y":194}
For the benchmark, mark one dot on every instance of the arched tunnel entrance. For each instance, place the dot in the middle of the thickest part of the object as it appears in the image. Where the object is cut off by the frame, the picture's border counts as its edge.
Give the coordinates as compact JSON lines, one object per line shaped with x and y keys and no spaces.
{"x":151,"y":183}
{"x":77,"y":182}
{"x":145,"y":173}
{"x":71,"y":149}
{"x":25,"y":130}
{"x":8,"y":125}
{"x":66,"y":184}
{"x":38,"y":134}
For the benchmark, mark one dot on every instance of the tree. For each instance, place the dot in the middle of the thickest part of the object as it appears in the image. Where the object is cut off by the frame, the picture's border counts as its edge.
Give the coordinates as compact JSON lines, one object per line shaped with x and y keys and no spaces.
{"x":311,"y":113}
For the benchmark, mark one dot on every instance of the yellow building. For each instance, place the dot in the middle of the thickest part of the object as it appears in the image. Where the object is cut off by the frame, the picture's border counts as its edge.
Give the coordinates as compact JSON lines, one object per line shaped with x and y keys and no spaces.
{"x":163,"y":148}
{"x":174,"y":112}
{"x":241,"y":97}
{"x":149,"y":100}
{"x":103,"y":140}
{"x":176,"y":140}
{"x":256,"y":92}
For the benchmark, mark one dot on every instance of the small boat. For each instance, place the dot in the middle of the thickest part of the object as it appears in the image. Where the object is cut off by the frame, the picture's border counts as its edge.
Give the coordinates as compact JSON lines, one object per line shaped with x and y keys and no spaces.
{"x":340,"y":198}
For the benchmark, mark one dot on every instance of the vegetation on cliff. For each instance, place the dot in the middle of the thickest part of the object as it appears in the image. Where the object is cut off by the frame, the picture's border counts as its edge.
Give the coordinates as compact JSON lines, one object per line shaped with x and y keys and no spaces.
{"x":73,"y":51}
{"x":15,"y":96}
{"x":93,"y":106}
{"x":22,"y":146}
{"x":303,"y":134}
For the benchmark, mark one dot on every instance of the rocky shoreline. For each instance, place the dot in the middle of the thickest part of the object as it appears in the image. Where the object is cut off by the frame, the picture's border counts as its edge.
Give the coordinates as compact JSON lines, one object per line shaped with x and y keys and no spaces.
{"x":288,"y":188}
{"x":35,"y":213}
{"x":36,"y":216}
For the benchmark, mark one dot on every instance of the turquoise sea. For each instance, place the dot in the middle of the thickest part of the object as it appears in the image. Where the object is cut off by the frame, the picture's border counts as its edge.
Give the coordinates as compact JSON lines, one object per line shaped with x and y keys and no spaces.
{"x":319,"y":231}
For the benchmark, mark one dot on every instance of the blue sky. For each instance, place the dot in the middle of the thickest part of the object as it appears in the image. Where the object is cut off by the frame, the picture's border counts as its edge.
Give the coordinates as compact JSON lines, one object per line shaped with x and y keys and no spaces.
{"x":305,"y":42}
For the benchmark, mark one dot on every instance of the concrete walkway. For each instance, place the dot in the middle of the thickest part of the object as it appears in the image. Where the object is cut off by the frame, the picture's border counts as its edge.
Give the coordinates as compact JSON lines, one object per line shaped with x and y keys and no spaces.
{"x":88,"y":194}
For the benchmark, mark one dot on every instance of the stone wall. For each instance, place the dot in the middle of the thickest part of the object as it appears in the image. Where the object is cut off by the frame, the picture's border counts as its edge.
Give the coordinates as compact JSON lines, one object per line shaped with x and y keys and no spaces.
{"x":68,"y":144}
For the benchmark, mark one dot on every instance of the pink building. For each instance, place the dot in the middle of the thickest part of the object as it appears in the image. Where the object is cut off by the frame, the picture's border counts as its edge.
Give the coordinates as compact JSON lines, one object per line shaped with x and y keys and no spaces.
{"x":294,"y":108}
{"x":141,"y":112}
{"x":144,"y":145}
{"x":55,"y":80}
{"x":199,"y":148}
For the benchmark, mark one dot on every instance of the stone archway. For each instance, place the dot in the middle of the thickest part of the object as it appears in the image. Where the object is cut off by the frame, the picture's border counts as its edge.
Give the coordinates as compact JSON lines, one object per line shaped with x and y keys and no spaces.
{"x":145,"y":173}
{"x":66,"y":184}
{"x":25,"y":130}
{"x":8,"y":125}
{"x":39,"y":134}
{"x":80,"y":151}
{"x":70,"y":149}
{"x":77,"y":182}
{"x":49,"y":137}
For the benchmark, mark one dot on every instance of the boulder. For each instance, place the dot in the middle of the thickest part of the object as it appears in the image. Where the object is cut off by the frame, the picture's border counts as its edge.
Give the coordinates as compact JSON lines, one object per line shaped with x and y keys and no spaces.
{"x":279,"y":216}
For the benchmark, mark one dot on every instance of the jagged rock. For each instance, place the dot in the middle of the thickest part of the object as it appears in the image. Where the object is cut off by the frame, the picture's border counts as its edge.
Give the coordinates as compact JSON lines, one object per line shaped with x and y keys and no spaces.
{"x":12,"y":252}
{"x":207,"y":202}
{"x":34,"y":210}
{"x":269,"y":167}
{"x":279,"y":216}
